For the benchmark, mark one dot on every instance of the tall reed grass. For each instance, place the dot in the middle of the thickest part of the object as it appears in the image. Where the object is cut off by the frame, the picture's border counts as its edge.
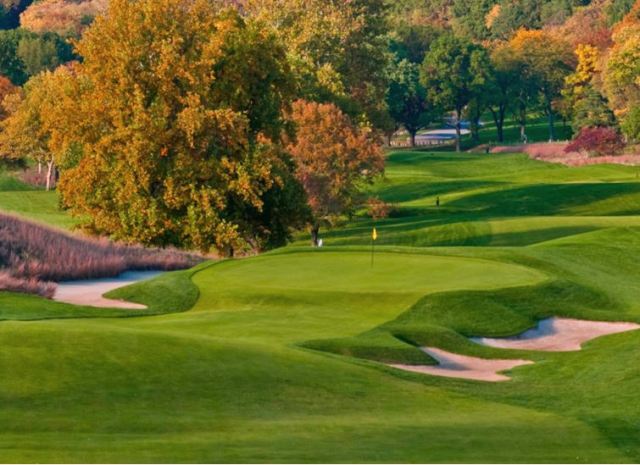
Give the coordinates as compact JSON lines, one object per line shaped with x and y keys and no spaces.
{"x":33,"y":257}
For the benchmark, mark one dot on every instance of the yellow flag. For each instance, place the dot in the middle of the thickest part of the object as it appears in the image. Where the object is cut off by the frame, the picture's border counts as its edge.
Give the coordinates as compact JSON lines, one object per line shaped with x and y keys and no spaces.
{"x":374,"y":234}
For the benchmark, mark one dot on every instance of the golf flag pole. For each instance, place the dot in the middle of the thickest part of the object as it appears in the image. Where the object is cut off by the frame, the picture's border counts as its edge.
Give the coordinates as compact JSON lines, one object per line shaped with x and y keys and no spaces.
{"x":374,"y":237}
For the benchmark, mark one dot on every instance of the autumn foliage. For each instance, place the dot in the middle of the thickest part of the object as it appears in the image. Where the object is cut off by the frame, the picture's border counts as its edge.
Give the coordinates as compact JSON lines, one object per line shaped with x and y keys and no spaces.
{"x":333,"y":156}
{"x":597,"y":142}
{"x":378,"y":209}
{"x":169,"y":130}
{"x":65,"y":17}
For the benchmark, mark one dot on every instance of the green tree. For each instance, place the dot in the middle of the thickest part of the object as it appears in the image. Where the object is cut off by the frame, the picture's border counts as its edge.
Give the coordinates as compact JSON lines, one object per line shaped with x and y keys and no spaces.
{"x":412,"y":42}
{"x":471,"y":17}
{"x":592,"y":110}
{"x":11,"y":65}
{"x":547,"y":60}
{"x":43,"y":52}
{"x":617,"y":9}
{"x":505,"y":86}
{"x":407,"y":99}
{"x":24,"y":54}
{"x":454,"y":72}
{"x":337,"y":49}
{"x":631,"y":125}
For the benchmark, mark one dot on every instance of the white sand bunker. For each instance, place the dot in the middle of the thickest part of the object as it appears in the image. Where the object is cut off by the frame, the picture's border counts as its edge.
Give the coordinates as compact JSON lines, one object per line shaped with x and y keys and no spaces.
{"x":463,"y":366}
{"x":558,"y":334}
{"x":89,"y":292}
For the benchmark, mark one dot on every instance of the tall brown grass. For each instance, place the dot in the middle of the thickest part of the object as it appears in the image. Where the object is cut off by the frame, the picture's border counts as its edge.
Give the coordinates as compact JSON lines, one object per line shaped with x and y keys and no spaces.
{"x":33,"y":256}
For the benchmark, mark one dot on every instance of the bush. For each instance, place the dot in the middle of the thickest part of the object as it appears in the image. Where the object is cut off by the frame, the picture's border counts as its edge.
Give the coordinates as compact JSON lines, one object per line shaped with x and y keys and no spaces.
{"x":597,"y":142}
{"x":378,"y":209}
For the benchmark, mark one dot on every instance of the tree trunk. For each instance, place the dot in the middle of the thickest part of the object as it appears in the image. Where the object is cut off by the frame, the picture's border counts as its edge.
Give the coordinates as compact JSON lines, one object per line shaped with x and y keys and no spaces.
{"x":315,"y":235}
{"x":50,"y":170}
{"x":412,"y":135}
{"x":552,"y":131}
{"x":498,"y":119}
{"x":389,"y":137}
{"x":500,"y":124}
{"x":458,"y":135}
{"x":39,"y":167}
{"x":522,"y":120}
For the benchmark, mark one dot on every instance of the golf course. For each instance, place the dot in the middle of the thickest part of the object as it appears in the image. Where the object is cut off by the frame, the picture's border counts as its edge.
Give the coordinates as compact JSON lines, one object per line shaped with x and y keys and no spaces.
{"x":285,"y":356}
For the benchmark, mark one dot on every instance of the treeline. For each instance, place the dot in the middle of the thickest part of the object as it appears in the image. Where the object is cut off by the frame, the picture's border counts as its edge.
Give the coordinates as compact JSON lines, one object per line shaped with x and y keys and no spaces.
{"x":228,"y":124}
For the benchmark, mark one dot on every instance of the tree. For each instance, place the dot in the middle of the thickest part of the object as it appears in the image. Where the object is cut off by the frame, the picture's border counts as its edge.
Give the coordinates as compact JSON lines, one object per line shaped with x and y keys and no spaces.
{"x":547,"y":60}
{"x":506,"y":85}
{"x":631,"y":125}
{"x":621,"y":69}
{"x":44,"y":52}
{"x":617,"y":9}
{"x":592,"y":110}
{"x":411,"y":42}
{"x":11,"y":65}
{"x":337,"y":49}
{"x":333,"y":158}
{"x":406,"y":99}
{"x":472,"y":17}
{"x":6,"y":89}
{"x":531,"y":14}
{"x":173,"y":134}
{"x":454,"y":72}
{"x":65,"y":17}
{"x":10,"y":12}
{"x":32,"y":127}
{"x":24,"y":54}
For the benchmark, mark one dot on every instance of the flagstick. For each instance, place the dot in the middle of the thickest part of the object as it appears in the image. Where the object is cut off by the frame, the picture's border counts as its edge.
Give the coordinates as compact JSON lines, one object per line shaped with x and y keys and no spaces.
{"x":373,"y":244}
{"x":372,"y":247}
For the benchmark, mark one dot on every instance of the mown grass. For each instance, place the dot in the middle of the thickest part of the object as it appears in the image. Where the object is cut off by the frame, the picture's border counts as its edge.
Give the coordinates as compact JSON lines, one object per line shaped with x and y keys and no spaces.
{"x":282,"y":357}
{"x":34,"y":203}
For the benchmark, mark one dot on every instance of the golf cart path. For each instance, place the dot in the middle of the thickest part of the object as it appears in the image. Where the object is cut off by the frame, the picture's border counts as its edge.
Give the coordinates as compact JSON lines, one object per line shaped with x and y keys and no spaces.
{"x":90,"y":292}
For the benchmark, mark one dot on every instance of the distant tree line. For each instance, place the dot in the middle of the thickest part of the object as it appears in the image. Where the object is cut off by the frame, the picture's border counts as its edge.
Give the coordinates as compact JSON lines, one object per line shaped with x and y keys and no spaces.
{"x":227,"y":125}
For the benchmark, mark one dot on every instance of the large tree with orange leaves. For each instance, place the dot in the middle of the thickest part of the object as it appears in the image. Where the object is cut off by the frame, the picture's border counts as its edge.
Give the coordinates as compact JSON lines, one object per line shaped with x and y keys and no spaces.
{"x":174,"y":136}
{"x":334,"y":158}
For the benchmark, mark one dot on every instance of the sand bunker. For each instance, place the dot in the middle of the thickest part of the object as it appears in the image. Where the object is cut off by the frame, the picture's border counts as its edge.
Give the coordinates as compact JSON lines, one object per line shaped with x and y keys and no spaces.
{"x":89,"y":292}
{"x":558,"y":334}
{"x":463,"y":366}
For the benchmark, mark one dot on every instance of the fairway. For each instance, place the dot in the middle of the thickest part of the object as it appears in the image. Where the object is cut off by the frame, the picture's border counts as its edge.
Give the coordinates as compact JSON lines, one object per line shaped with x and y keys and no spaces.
{"x":284,"y":357}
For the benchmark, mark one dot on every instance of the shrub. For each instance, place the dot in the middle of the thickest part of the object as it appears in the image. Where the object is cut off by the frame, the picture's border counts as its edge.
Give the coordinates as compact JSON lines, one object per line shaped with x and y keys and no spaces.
{"x":597,"y":142}
{"x":378,"y":209}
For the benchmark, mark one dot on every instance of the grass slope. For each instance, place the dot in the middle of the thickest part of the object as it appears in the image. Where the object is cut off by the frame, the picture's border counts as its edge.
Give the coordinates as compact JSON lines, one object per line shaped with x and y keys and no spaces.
{"x":36,"y":204}
{"x":279,"y":358}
